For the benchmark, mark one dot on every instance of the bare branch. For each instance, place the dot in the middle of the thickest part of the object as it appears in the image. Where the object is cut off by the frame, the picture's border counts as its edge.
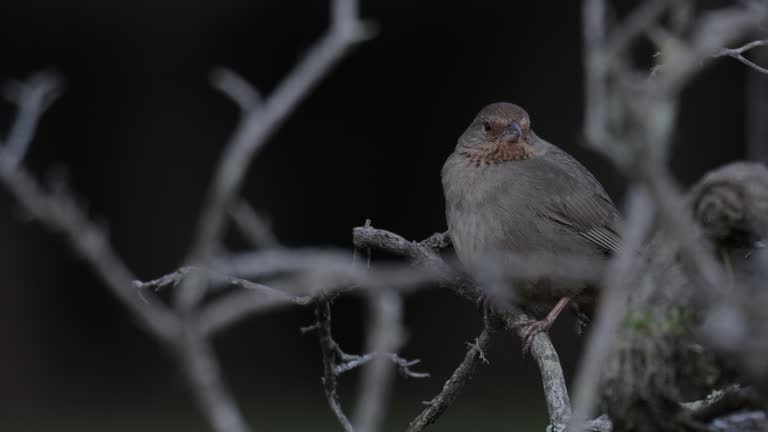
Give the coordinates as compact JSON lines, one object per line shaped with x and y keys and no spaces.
{"x":713,"y":31}
{"x":336,"y":362}
{"x":186,"y":329}
{"x":455,"y":384}
{"x":255,"y":227}
{"x":231,"y":308}
{"x":426,"y":258}
{"x":330,"y":271}
{"x":733,"y":417}
{"x":737,"y":54}
{"x":33,"y":97}
{"x":422,"y":253}
{"x":236,"y":88}
{"x":637,"y":24}
{"x":173,"y":279}
{"x":257,"y":126}
{"x":403,"y":365}
{"x":330,"y":354}
{"x":630,"y":118}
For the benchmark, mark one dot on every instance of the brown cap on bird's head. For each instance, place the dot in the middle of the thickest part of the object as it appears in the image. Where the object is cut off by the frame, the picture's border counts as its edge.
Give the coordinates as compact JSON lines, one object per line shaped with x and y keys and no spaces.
{"x":499,"y":133}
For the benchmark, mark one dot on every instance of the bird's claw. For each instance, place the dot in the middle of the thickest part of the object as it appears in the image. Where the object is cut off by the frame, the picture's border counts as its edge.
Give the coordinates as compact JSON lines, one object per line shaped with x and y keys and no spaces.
{"x":530,"y":328}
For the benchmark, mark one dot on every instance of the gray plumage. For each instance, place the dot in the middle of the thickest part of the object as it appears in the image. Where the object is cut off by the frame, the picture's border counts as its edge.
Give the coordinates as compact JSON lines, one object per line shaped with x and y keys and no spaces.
{"x":509,"y":192}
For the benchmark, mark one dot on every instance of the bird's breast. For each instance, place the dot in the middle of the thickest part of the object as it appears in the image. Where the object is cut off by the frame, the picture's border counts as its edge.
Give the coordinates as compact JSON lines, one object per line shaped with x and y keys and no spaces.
{"x":476,"y":222}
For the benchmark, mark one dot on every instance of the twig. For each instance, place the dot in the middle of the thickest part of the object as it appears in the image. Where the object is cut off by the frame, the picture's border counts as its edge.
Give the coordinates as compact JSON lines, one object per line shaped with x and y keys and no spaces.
{"x":426,"y":259}
{"x":630,"y":119}
{"x":634,"y":26}
{"x":176,"y":277}
{"x":455,"y":384}
{"x":403,"y":365}
{"x":253,"y":226}
{"x":330,"y":271}
{"x":336,"y":362}
{"x":712,"y":31}
{"x":330,"y":353}
{"x":737,"y":54}
{"x":33,"y":97}
{"x":385,"y":334}
{"x":256,"y":126}
{"x":231,"y":308}
{"x":236,"y":88}
{"x":722,"y":410}
{"x":723,"y":402}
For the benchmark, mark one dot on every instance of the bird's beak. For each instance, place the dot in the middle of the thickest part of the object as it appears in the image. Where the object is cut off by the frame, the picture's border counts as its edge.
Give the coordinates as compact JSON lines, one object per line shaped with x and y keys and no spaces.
{"x":513,"y":132}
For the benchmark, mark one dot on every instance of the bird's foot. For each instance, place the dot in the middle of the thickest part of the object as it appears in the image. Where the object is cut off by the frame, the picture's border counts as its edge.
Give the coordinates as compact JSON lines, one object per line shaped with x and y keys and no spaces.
{"x":530,"y":328}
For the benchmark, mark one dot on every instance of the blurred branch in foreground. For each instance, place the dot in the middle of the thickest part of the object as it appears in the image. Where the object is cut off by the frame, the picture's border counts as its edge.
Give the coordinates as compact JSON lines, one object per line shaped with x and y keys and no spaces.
{"x":661,"y":294}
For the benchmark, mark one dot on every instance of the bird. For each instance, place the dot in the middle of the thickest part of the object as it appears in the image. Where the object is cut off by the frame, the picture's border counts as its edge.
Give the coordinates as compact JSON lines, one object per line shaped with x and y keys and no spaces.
{"x":510,"y":193}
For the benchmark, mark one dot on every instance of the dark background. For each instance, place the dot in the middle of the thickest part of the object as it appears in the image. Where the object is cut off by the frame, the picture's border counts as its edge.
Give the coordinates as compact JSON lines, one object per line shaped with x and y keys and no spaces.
{"x":138,"y":132}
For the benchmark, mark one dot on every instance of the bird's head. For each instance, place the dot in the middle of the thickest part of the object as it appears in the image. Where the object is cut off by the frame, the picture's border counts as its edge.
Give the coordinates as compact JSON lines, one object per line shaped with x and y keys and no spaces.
{"x":500,"y":132}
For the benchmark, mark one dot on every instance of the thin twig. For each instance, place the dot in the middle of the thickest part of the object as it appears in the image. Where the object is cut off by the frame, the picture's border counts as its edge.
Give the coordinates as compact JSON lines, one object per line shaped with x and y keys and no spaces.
{"x":33,"y":97}
{"x":636,"y":25}
{"x":176,"y":277}
{"x":236,"y":88}
{"x":253,"y":226}
{"x":455,"y":384}
{"x":403,"y":365}
{"x":330,"y":352}
{"x":336,"y":362}
{"x":713,"y":31}
{"x":231,"y":308}
{"x":737,"y":54}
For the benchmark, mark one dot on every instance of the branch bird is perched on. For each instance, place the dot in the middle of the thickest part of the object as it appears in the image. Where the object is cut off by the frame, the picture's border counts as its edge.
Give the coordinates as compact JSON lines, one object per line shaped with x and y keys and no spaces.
{"x":509,"y":194}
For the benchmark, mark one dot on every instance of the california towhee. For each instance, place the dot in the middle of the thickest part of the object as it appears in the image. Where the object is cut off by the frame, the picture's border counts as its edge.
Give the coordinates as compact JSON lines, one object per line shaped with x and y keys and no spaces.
{"x":510,"y":193}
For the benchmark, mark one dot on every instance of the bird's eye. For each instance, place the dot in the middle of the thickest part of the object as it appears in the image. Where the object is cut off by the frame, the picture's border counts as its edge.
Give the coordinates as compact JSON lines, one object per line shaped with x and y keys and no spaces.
{"x":487,"y":126}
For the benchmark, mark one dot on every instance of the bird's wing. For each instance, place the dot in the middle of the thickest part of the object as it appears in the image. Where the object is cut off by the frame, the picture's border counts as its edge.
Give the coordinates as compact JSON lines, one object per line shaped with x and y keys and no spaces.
{"x":581,"y":204}
{"x":591,"y":215}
